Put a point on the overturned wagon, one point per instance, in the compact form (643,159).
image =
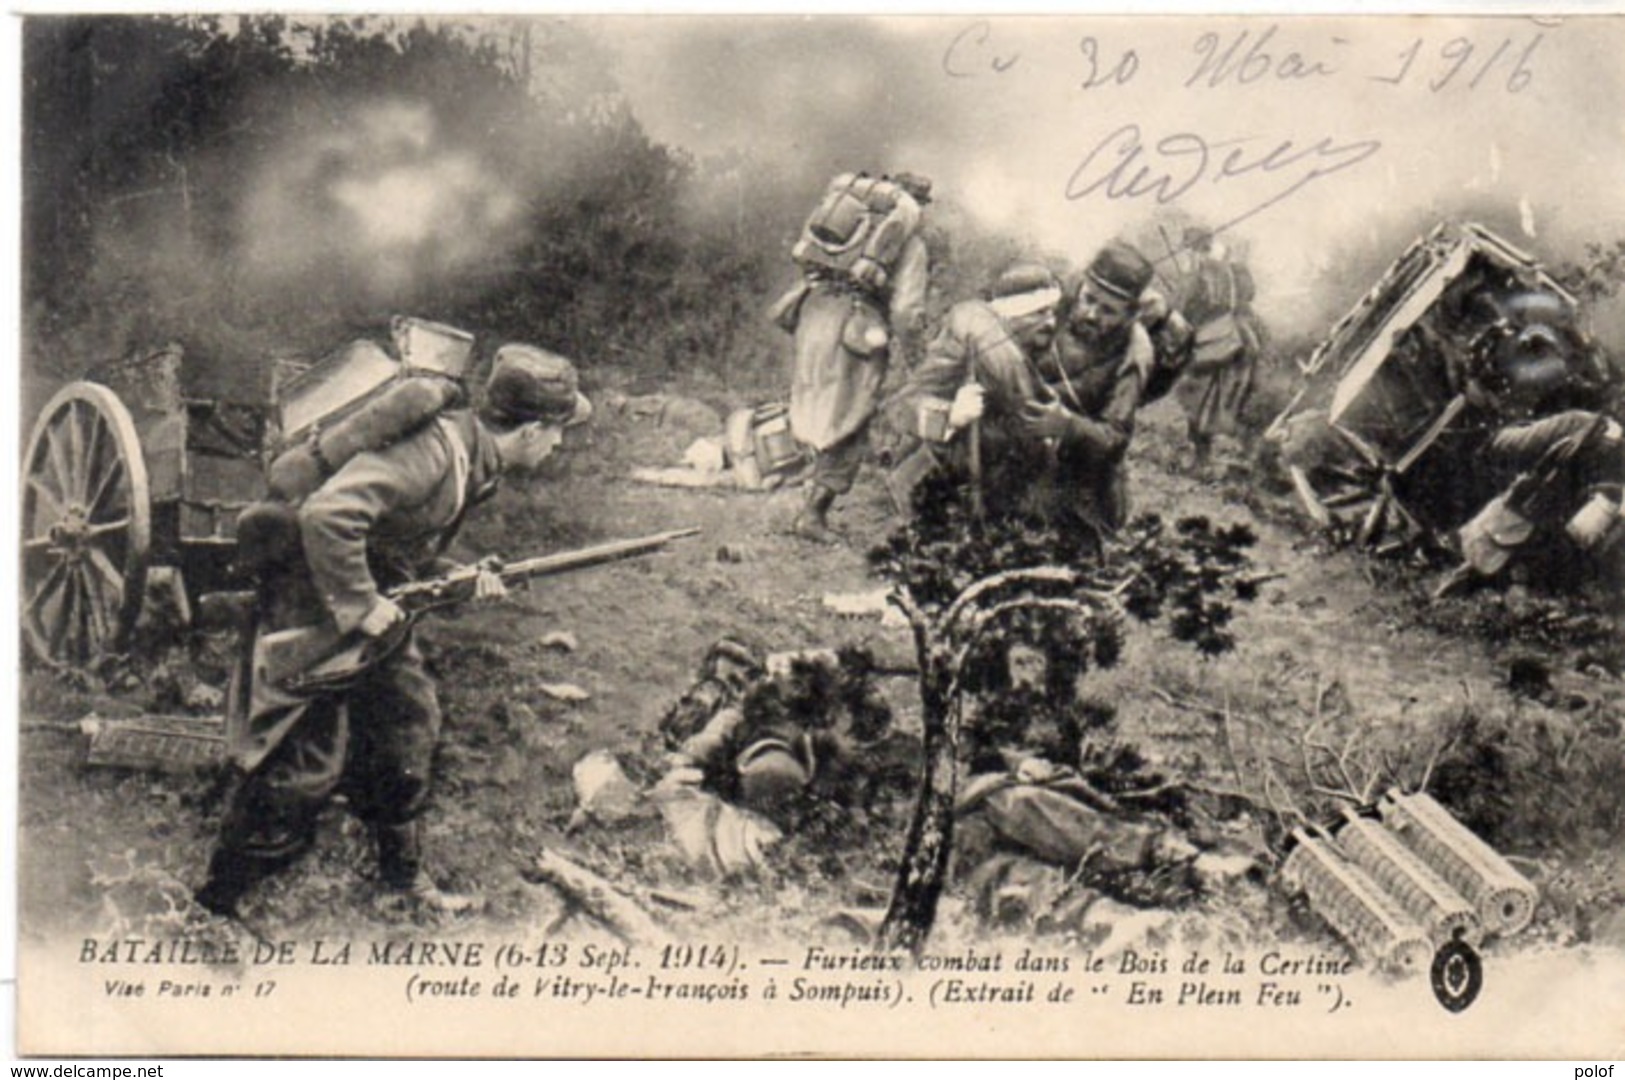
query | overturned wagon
(1463,333)
(134,477)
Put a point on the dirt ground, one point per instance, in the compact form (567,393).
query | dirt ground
(1337,650)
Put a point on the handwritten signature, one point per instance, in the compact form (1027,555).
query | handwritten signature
(1124,165)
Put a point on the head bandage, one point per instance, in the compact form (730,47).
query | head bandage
(1026,303)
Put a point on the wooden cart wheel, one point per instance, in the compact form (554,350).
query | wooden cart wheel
(1362,509)
(87,527)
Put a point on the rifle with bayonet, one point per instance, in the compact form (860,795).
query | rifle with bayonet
(318,658)
(416,597)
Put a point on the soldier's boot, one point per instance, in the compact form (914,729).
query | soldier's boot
(1201,449)
(231,875)
(400,864)
(812,523)
(215,919)
(1459,582)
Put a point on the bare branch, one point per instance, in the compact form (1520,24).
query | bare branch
(1341,794)
(1188,705)
(904,601)
(1386,768)
(1038,575)
(1292,810)
(1343,758)
(1073,605)
(1433,760)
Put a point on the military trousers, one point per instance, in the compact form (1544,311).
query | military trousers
(374,742)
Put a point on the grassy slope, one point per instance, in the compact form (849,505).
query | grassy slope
(112,852)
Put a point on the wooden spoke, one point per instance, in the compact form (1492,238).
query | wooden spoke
(108,572)
(1371,527)
(96,469)
(49,586)
(1346,498)
(1350,474)
(39,480)
(47,503)
(61,468)
(107,483)
(106,528)
(68,612)
(100,609)
(78,466)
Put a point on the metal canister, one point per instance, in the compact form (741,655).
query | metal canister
(932,419)
(1594,522)
(1504,899)
(431,345)
(1431,901)
(775,445)
(1359,910)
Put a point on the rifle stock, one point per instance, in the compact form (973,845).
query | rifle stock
(908,474)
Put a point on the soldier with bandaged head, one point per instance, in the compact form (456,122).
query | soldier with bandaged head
(977,399)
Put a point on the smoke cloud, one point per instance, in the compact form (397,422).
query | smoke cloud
(379,204)
(1059,133)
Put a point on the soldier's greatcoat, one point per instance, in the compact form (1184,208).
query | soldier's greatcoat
(384,518)
(840,364)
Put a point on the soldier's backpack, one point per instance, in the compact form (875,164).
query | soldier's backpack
(759,446)
(356,400)
(1173,344)
(362,399)
(858,230)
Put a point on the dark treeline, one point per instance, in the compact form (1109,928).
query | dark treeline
(264,184)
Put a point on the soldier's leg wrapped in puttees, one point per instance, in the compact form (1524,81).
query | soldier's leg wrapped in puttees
(395,722)
(271,819)
(835,469)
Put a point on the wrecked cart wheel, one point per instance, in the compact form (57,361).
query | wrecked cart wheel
(87,527)
(1360,507)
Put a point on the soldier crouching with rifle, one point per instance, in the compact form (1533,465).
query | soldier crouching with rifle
(382,519)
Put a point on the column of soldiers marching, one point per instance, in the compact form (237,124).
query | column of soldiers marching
(1025,394)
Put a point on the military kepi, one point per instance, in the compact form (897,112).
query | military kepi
(528,383)
(1121,270)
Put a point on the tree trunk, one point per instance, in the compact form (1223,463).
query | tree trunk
(920,880)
